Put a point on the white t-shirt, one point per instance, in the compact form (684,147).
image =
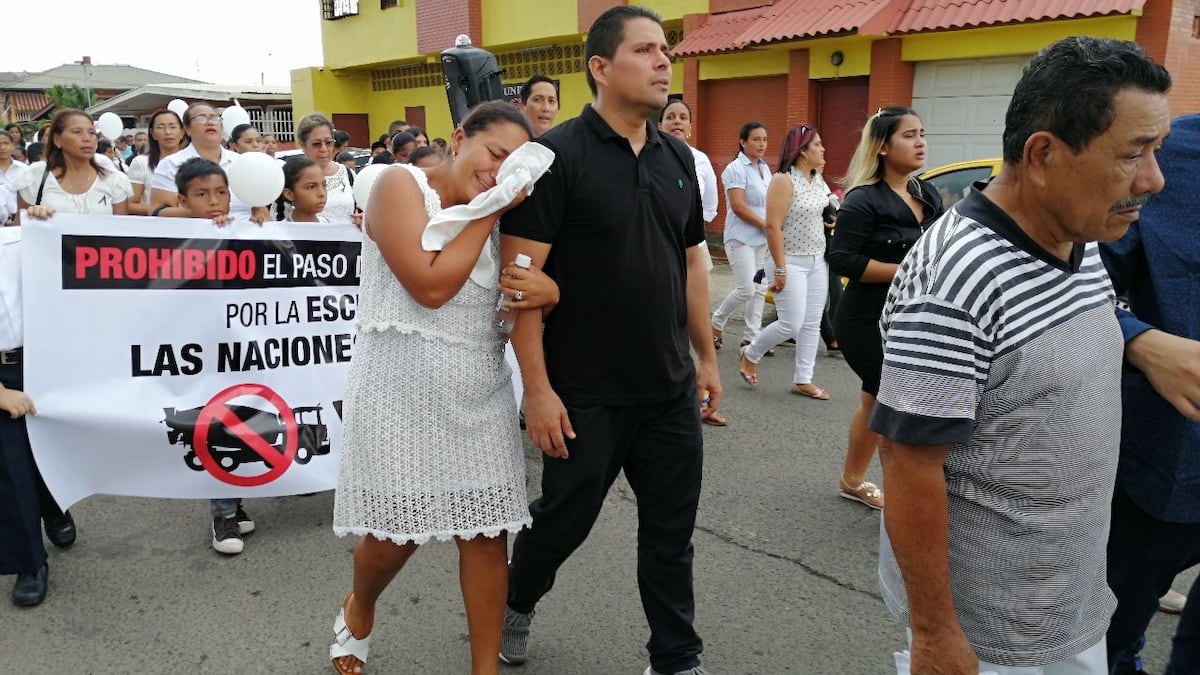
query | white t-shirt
(7,175)
(164,177)
(10,288)
(110,187)
(707,178)
(139,173)
(8,203)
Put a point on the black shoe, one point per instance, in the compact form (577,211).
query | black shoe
(245,523)
(60,529)
(30,588)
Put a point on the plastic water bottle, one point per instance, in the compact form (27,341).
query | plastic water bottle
(505,316)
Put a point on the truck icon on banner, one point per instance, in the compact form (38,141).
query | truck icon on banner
(231,450)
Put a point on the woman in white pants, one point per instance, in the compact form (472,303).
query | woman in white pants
(796,198)
(745,180)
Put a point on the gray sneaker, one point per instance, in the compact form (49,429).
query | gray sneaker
(690,671)
(514,640)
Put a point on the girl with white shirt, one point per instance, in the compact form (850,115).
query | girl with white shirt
(203,127)
(166,138)
(796,198)
(71,180)
(9,168)
(245,138)
(676,119)
(315,133)
(8,196)
(745,180)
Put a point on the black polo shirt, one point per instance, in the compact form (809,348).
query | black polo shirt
(620,225)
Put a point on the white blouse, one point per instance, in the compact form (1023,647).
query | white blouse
(110,187)
(339,197)
(803,228)
(168,167)
(139,173)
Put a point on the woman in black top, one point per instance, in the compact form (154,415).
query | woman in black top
(884,213)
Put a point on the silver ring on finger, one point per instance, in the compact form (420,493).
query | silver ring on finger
(518,297)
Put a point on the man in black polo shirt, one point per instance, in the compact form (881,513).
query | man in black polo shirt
(610,385)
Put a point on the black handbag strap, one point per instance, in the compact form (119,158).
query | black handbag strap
(42,186)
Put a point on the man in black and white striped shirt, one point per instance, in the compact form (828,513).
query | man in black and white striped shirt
(1000,398)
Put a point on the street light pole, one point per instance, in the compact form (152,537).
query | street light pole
(87,86)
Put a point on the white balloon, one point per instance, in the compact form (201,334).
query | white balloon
(110,125)
(256,178)
(363,180)
(232,117)
(178,106)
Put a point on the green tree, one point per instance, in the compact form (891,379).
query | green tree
(71,96)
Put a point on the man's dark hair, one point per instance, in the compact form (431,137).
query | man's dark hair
(607,33)
(344,157)
(1068,89)
(33,152)
(378,144)
(423,152)
(341,138)
(384,157)
(488,113)
(402,139)
(527,88)
(197,167)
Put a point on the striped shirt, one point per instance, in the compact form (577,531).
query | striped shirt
(1013,358)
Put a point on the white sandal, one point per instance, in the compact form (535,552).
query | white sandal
(345,644)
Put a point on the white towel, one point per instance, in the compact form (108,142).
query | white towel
(519,171)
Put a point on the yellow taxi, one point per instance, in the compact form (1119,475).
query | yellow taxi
(952,181)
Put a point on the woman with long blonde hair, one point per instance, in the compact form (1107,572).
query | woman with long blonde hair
(884,213)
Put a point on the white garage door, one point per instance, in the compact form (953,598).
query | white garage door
(962,104)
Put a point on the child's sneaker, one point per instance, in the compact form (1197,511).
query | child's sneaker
(226,537)
(245,524)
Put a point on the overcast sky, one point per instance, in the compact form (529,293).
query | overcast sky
(219,41)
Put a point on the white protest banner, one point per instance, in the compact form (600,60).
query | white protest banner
(170,358)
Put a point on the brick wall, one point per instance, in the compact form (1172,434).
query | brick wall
(891,77)
(440,21)
(801,92)
(590,10)
(1165,32)
(727,105)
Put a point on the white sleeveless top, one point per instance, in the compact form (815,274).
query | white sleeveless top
(803,229)
(465,319)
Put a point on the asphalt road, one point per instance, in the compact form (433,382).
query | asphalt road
(785,572)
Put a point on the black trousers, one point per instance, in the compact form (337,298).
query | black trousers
(660,448)
(1144,555)
(828,334)
(22,491)
(1185,650)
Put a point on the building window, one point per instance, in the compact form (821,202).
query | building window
(412,76)
(276,120)
(338,9)
(387,4)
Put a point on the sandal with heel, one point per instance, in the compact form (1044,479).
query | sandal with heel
(750,378)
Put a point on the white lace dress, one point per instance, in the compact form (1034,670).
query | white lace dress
(432,446)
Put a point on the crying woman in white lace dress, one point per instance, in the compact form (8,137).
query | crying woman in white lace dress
(432,447)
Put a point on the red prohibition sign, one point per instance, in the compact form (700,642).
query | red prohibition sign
(217,410)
